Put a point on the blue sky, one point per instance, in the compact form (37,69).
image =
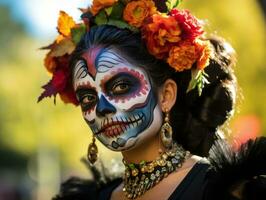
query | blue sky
(40,16)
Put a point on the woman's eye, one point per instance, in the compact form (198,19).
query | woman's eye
(88,99)
(120,88)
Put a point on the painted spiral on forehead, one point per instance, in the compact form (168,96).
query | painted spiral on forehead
(142,90)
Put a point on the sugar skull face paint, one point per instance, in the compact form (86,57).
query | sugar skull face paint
(116,99)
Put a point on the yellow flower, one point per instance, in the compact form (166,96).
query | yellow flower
(136,12)
(97,5)
(65,23)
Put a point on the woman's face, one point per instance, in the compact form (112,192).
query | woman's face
(116,99)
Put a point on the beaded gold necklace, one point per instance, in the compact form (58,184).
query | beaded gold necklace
(141,177)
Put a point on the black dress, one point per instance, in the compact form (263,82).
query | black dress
(225,175)
(191,187)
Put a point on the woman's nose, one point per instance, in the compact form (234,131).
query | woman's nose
(104,107)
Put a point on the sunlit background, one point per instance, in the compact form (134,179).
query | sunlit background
(41,144)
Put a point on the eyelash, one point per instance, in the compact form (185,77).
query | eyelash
(91,101)
(119,83)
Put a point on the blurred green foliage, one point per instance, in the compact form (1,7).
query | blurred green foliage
(29,130)
(242,24)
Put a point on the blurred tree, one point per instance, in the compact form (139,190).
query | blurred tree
(11,32)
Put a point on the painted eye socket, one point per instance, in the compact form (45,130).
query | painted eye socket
(88,99)
(121,87)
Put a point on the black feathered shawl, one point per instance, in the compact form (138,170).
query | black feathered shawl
(237,174)
(81,189)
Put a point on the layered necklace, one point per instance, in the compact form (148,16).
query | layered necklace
(141,177)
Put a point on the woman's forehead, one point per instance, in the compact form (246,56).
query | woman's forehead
(98,63)
(99,59)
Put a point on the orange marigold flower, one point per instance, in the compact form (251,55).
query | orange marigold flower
(183,56)
(204,52)
(136,11)
(97,5)
(161,32)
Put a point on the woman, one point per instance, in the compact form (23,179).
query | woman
(150,86)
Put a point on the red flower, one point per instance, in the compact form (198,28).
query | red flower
(189,24)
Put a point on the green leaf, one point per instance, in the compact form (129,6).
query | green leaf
(193,80)
(122,25)
(172,4)
(117,11)
(109,10)
(77,33)
(101,18)
(198,80)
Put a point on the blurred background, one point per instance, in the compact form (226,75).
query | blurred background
(42,144)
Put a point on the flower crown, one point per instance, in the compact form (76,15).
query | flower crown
(172,35)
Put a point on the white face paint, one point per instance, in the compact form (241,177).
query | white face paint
(116,99)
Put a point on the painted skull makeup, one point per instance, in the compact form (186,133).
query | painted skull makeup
(116,99)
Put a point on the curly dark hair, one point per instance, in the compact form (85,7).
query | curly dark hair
(195,119)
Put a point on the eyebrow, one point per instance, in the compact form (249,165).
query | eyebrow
(81,71)
(84,89)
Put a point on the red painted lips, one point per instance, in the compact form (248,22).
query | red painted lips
(116,128)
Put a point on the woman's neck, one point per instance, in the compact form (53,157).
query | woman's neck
(147,151)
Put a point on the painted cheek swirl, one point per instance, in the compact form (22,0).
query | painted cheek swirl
(142,90)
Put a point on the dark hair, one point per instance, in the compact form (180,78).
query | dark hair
(195,119)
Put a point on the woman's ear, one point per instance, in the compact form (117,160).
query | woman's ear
(167,95)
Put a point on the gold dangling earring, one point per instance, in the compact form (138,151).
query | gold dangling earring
(92,151)
(166,132)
